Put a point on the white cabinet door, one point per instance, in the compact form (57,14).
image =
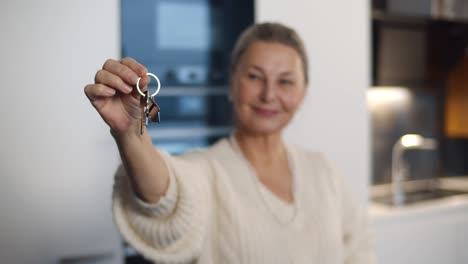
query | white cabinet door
(461,234)
(421,241)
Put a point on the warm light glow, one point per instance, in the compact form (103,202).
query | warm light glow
(411,140)
(387,95)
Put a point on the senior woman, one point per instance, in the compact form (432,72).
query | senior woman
(250,198)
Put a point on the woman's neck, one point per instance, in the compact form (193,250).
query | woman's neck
(261,150)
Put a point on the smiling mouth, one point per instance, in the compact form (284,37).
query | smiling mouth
(265,112)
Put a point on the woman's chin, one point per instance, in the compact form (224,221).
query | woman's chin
(264,128)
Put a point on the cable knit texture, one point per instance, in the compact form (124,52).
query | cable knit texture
(214,211)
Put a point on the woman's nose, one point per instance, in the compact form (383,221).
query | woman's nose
(268,92)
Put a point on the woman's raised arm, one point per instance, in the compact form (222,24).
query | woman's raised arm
(116,99)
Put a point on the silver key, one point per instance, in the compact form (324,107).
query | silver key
(151,111)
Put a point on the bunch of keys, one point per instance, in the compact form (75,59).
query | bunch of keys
(151,108)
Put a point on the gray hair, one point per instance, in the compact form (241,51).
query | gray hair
(269,32)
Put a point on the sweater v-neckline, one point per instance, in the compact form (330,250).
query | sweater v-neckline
(269,199)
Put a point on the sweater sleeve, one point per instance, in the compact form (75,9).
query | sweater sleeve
(358,240)
(173,229)
(357,237)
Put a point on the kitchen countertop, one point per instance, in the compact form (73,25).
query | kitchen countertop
(380,212)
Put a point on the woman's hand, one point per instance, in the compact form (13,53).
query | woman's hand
(114,95)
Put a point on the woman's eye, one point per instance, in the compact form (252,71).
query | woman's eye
(286,82)
(253,76)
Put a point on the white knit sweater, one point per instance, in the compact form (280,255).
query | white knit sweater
(217,211)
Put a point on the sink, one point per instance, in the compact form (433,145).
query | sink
(419,196)
(415,192)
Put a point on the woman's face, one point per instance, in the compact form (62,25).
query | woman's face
(268,85)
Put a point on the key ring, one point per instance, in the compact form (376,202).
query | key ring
(157,80)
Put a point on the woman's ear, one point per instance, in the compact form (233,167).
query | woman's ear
(232,86)
(231,93)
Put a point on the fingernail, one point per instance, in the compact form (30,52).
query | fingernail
(128,88)
(109,92)
(135,80)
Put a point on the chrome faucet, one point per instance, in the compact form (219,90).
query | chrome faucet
(399,169)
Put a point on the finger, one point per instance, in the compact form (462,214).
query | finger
(137,67)
(145,80)
(121,70)
(96,91)
(112,80)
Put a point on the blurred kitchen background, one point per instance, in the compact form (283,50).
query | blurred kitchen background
(419,58)
(418,110)
(386,102)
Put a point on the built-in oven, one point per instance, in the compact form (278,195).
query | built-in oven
(187,44)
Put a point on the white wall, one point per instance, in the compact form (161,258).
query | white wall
(57,157)
(334,117)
